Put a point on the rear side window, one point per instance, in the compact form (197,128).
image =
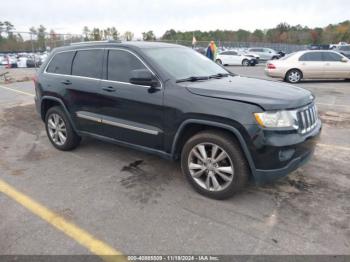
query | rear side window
(312,57)
(61,63)
(88,63)
(120,65)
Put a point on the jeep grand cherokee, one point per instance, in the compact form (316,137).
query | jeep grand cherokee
(172,101)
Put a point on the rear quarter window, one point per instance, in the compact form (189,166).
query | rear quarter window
(61,63)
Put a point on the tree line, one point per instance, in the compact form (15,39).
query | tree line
(282,33)
(40,38)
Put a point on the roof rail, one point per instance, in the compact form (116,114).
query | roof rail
(96,42)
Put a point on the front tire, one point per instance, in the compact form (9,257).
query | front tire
(245,62)
(59,130)
(293,76)
(214,164)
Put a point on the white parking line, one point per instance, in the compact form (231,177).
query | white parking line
(17,91)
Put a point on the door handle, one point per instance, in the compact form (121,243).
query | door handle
(109,89)
(66,82)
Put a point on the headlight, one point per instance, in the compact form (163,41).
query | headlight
(277,119)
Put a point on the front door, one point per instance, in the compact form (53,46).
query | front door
(334,66)
(131,113)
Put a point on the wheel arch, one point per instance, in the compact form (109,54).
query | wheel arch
(192,126)
(294,68)
(49,101)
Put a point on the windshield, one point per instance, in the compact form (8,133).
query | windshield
(183,63)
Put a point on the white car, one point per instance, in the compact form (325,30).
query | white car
(234,58)
(310,64)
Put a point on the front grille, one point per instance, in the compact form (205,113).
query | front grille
(307,118)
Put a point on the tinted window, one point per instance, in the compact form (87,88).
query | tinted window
(233,53)
(311,56)
(61,63)
(332,57)
(88,63)
(120,65)
(225,53)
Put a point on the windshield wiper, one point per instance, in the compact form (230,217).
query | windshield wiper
(192,79)
(219,75)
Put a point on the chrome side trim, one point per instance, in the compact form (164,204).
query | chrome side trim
(116,124)
(135,128)
(87,117)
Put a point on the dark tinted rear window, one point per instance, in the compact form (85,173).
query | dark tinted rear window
(120,65)
(61,63)
(311,56)
(88,63)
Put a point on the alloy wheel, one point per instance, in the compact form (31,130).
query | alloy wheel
(57,129)
(294,76)
(210,167)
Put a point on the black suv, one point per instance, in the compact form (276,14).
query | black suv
(174,102)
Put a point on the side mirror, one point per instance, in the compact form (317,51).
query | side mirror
(344,60)
(143,77)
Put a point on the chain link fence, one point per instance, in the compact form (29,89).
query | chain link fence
(30,49)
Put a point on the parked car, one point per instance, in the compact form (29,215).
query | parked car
(246,53)
(310,65)
(234,58)
(343,49)
(174,102)
(264,53)
(319,47)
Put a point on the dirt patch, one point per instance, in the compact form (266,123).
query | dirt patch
(338,119)
(24,118)
(143,186)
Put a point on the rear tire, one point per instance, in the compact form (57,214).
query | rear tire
(293,76)
(59,130)
(210,176)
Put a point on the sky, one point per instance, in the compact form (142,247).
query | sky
(70,16)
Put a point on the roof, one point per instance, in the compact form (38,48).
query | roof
(112,43)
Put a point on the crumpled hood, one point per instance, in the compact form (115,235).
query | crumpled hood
(269,95)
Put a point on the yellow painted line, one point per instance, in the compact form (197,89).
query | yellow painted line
(334,147)
(97,247)
(17,91)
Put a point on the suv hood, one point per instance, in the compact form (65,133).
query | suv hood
(269,95)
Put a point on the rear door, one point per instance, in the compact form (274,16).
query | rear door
(312,65)
(83,89)
(334,66)
(235,58)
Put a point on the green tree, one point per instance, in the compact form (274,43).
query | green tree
(128,36)
(148,36)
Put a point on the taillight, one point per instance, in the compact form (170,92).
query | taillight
(271,66)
